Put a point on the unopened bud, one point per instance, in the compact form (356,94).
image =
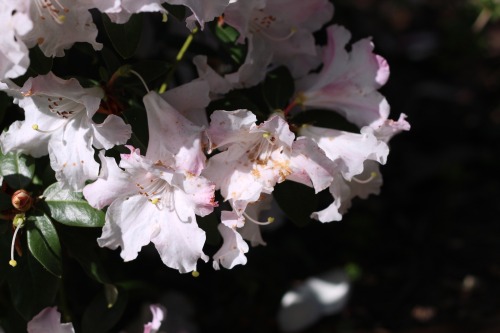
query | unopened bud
(22,200)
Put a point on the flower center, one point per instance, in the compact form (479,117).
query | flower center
(64,108)
(262,149)
(158,192)
(54,9)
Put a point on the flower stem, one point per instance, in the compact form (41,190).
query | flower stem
(178,59)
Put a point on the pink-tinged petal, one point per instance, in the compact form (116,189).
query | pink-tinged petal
(112,183)
(203,11)
(131,223)
(238,14)
(49,321)
(253,70)
(310,166)
(370,71)
(360,109)
(180,241)
(113,131)
(230,126)
(233,249)
(388,128)
(218,85)
(57,31)
(349,150)
(158,313)
(199,192)
(348,82)
(310,15)
(171,133)
(190,100)
(235,180)
(279,128)
(335,61)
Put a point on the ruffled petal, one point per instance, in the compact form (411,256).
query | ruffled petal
(233,250)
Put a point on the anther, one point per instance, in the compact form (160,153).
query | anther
(269,219)
(195,274)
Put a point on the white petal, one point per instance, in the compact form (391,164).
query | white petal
(233,249)
(131,223)
(180,242)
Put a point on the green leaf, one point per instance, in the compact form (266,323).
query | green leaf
(68,207)
(43,243)
(226,33)
(296,200)
(124,37)
(82,246)
(17,169)
(32,287)
(278,88)
(99,316)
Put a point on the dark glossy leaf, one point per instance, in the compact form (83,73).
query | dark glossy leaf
(124,37)
(226,33)
(100,316)
(32,287)
(70,208)
(82,246)
(278,88)
(17,169)
(43,243)
(296,200)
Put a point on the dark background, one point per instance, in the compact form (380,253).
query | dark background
(428,246)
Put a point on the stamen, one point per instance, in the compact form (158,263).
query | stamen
(269,219)
(373,175)
(140,78)
(37,128)
(195,274)
(19,223)
(53,10)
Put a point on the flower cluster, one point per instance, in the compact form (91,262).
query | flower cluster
(158,194)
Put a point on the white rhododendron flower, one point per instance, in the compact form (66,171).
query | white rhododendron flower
(254,157)
(155,197)
(150,202)
(347,82)
(14,24)
(58,24)
(349,152)
(274,36)
(58,121)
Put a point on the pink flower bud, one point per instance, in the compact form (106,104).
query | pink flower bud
(21,200)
